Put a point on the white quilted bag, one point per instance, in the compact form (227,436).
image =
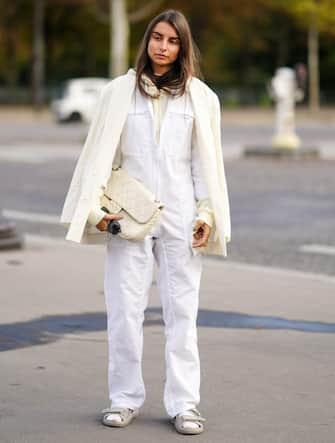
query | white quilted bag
(130,198)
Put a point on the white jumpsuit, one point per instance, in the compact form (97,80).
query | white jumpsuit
(169,167)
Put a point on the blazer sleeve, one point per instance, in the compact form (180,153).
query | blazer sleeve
(86,154)
(216,128)
(204,208)
(96,214)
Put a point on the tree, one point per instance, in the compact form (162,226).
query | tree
(38,63)
(315,16)
(119,20)
(38,56)
(10,39)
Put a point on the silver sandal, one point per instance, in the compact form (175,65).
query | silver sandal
(193,416)
(126,416)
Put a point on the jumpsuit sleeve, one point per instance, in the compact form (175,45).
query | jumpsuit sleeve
(96,214)
(204,208)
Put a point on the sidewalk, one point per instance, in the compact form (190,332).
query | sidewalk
(266,341)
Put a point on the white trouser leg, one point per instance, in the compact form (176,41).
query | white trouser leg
(179,282)
(128,276)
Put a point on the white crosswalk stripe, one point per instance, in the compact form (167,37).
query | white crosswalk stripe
(318,249)
(38,154)
(31,216)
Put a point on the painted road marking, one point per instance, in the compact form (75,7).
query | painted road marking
(31,216)
(40,240)
(318,249)
(38,154)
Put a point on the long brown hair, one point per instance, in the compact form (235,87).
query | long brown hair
(187,63)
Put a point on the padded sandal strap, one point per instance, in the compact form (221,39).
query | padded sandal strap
(192,418)
(195,416)
(123,412)
(189,422)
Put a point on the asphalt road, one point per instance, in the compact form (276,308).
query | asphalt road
(266,340)
(283,212)
(265,334)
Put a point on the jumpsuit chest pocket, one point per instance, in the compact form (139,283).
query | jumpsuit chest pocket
(135,138)
(179,141)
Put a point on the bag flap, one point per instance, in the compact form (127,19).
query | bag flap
(111,205)
(131,195)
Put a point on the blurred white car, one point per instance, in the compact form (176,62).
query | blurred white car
(77,99)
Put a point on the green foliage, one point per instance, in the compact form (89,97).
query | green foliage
(241,41)
(265,100)
(320,13)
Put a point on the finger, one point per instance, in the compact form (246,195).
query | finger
(112,217)
(199,244)
(197,229)
(198,225)
(104,227)
(197,235)
(207,232)
(203,232)
(202,240)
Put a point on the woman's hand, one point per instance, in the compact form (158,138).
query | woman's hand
(201,233)
(103,224)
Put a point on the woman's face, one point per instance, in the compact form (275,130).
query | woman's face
(163,47)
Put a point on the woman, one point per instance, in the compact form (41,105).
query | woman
(162,125)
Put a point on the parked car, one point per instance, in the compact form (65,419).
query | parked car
(77,99)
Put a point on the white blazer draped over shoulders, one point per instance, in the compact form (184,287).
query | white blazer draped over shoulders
(94,165)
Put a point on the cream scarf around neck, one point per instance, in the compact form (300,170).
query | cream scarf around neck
(152,90)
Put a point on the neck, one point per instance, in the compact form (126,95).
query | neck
(160,70)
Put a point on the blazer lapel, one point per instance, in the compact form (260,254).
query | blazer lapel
(95,166)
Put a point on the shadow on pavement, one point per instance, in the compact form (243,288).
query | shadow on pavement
(50,328)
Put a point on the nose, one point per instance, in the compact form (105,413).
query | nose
(163,45)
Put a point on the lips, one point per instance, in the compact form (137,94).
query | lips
(161,56)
